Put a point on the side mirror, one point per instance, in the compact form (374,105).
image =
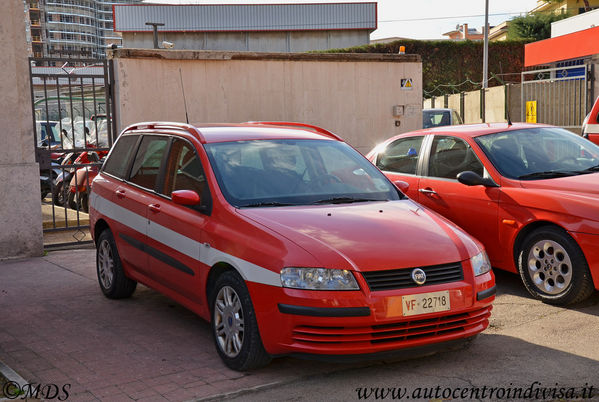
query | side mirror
(402,186)
(185,197)
(470,178)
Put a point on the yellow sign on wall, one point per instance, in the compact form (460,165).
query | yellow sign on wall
(531,111)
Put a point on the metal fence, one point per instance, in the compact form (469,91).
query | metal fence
(73,129)
(559,96)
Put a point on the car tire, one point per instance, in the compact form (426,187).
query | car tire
(111,276)
(234,325)
(72,200)
(553,267)
(59,196)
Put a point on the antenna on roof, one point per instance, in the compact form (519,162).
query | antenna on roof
(184,101)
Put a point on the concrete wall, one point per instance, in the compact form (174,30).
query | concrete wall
(20,214)
(350,94)
(291,41)
(495,104)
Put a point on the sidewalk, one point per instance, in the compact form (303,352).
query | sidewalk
(58,328)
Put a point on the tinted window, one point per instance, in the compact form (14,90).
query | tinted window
(450,156)
(185,172)
(400,156)
(146,165)
(118,161)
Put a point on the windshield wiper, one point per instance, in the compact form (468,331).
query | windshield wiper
(547,175)
(266,204)
(343,200)
(591,169)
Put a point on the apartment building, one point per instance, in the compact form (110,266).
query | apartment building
(78,28)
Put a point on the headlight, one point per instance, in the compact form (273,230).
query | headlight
(318,279)
(480,263)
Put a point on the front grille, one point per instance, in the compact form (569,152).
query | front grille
(397,332)
(402,278)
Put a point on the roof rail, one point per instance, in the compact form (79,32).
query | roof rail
(317,129)
(169,125)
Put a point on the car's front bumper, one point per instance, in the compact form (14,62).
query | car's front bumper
(365,322)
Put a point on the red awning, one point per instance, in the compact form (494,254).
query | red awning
(565,47)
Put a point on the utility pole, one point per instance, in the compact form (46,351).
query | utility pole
(486,48)
(155,26)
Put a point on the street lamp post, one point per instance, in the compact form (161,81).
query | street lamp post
(486,48)
(155,26)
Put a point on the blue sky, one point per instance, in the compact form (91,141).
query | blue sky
(429,18)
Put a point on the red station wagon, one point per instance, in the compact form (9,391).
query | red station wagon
(528,192)
(286,239)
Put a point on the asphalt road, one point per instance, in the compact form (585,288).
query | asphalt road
(529,348)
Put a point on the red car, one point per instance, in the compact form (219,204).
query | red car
(528,192)
(286,239)
(590,125)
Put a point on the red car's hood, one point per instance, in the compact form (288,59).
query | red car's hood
(369,236)
(585,184)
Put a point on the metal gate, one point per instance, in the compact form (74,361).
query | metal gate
(558,96)
(73,129)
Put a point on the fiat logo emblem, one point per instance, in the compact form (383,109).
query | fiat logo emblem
(418,276)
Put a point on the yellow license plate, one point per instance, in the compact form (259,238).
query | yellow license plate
(425,303)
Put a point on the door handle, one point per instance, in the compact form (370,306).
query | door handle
(427,191)
(154,208)
(120,193)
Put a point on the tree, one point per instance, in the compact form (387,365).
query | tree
(533,27)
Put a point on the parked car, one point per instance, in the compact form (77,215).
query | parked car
(440,117)
(590,125)
(286,239)
(528,192)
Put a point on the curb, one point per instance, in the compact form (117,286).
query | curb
(11,375)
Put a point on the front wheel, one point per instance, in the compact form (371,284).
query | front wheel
(112,279)
(234,325)
(553,267)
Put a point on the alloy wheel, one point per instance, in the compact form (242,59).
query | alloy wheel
(228,321)
(549,267)
(105,264)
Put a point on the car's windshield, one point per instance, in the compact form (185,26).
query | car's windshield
(540,153)
(296,172)
(436,118)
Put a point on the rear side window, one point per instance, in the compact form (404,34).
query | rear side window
(146,165)
(401,156)
(117,164)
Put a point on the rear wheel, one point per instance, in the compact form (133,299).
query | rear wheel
(59,196)
(553,267)
(234,325)
(112,279)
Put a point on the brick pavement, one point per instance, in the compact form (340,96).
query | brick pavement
(58,328)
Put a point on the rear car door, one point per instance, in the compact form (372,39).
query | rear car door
(473,208)
(136,195)
(127,220)
(399,161)
(175,232)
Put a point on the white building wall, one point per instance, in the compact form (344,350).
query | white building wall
(577,23)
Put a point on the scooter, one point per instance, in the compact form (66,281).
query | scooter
(60,193)
(80,184)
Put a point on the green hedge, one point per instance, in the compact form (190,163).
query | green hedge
(446,62)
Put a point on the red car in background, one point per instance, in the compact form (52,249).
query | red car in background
(590,125)
(286,239)
(529,193)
